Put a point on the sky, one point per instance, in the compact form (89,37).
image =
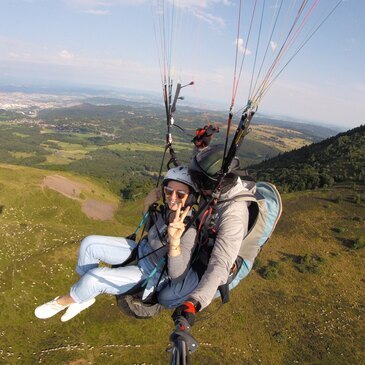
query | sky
(119,44)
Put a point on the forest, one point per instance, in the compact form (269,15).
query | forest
(339,159)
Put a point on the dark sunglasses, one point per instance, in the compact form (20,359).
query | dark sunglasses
(181,194)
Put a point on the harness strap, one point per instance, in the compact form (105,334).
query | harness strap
(154,271)
(224,293)
(224,289)
(133,236)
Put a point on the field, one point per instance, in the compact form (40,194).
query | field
(283,139)
(302,304)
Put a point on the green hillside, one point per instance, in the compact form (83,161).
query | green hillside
(121,146)
(303,303)
(9,115)
(335,160)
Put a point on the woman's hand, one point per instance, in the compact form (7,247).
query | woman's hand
(152,197)
(175,230)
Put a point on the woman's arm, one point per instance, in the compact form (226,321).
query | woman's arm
(178,265)
(175,230)
(179,248)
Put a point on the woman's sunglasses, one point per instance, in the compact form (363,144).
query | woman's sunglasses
(181,194)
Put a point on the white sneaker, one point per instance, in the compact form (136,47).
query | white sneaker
(75,308)
(49,309)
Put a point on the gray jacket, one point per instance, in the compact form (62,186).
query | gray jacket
(176,266)
(232,226)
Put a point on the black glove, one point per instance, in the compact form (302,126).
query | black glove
(187,310)
(204,135)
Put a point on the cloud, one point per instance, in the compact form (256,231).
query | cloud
(359,88)
(12,48)
(66,55)
(241,47)
(13,55)
(199,9)
(208,18)
(101,7)
(202,4)
(273,45)
(316,101)
(10,42)
(97,12)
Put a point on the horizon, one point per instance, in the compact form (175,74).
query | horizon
(90,43)
(83,91)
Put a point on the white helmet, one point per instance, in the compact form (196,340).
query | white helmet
(182,175)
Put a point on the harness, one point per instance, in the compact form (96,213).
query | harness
(138,291)
(148,220)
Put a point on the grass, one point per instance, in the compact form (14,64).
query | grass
(271,271)
(281,138)
(308,263)
(296,318)
(22,154)
(358,243)
(65,153)
(21,135)
(135,147)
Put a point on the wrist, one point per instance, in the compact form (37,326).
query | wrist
(174,243)
(174,250)
(193,302)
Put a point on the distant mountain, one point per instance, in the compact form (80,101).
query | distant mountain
(337,159)
(9,115)
(187,117)
(315,131)
(85,111)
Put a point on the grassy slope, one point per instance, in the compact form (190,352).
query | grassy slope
(297,318)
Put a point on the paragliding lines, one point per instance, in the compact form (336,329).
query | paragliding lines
(257,48)
(235,81)
(245,48)
(302,13)
(166,21)
(290,42)
(305,41)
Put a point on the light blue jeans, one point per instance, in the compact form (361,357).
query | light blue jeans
(97,280)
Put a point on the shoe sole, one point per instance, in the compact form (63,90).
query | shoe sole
(67,319)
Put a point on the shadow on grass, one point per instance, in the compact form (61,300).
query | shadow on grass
(329,200)
(308,263)
(346,242)
(271,271)
(338,229)
(355,244)
(289,257)
(338,199)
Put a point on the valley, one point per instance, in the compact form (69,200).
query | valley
(68,171)
(303,303)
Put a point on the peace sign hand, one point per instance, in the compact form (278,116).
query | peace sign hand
(177,227)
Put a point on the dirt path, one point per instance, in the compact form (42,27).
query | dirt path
(61,184)
(98,210)
(95,209)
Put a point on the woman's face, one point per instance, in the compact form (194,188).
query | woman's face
(175,193)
